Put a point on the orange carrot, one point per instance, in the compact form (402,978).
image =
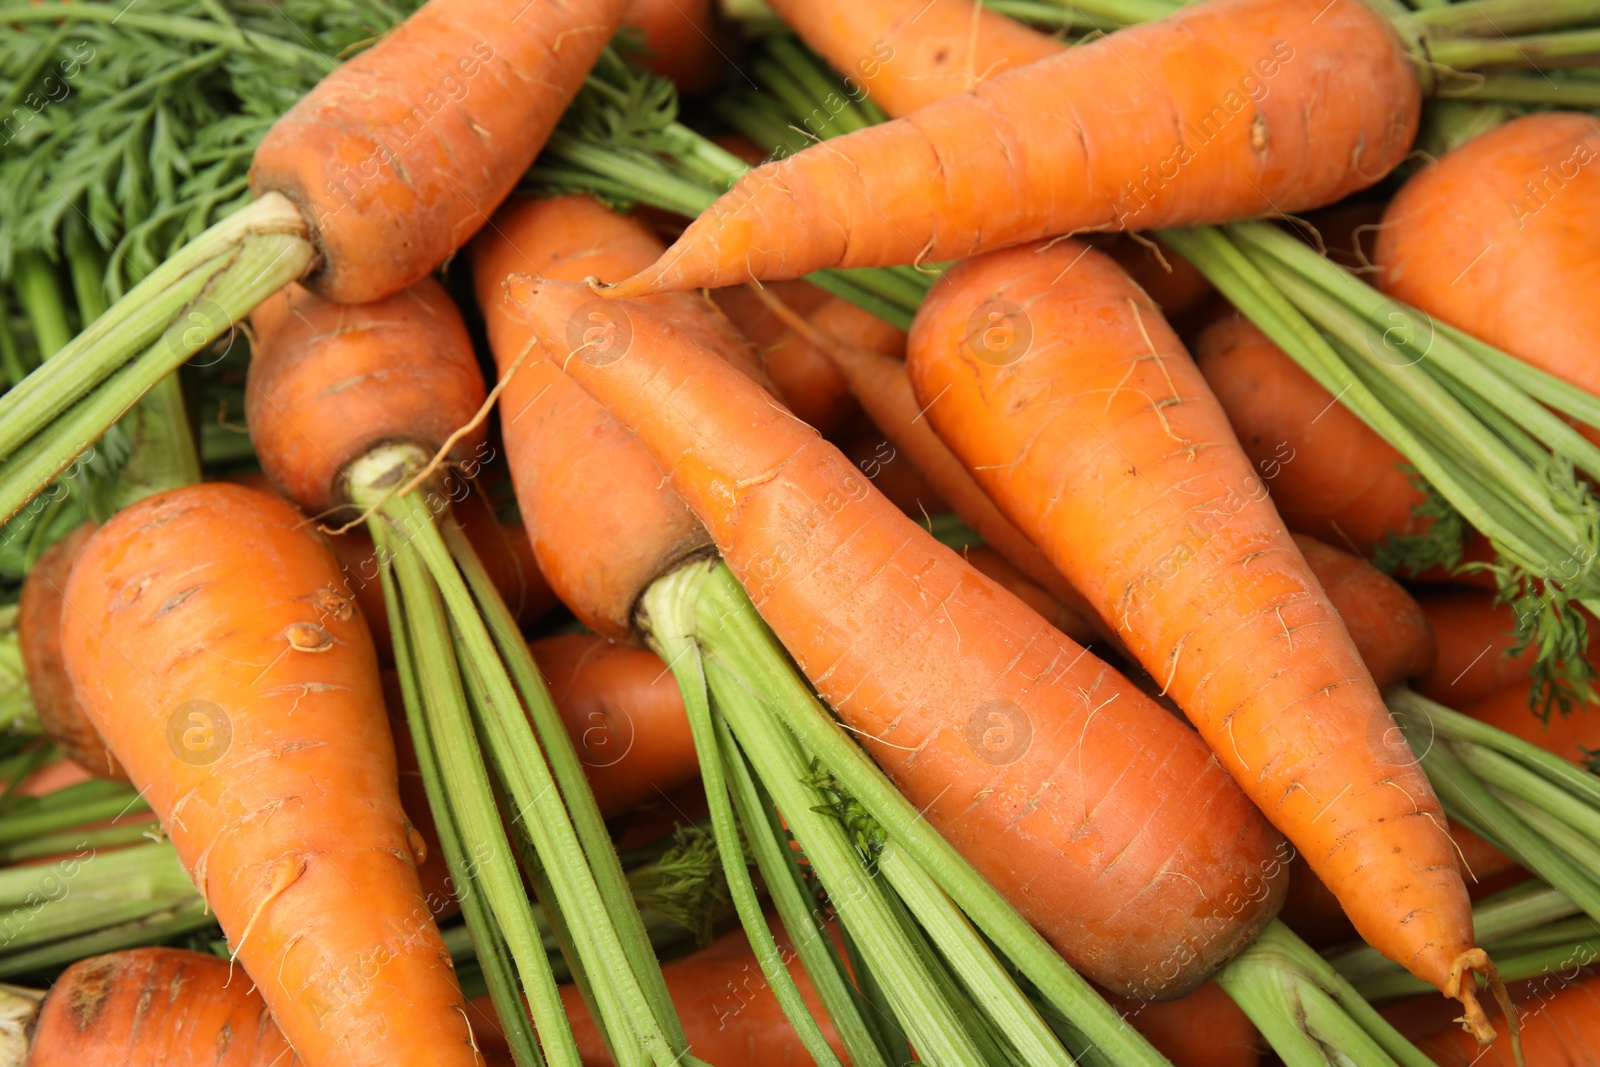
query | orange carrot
(1263,106)
(574,468)
(991,564)
(894,475)
(210,646)
(1498,238)
(1560,1028)
(505,551)
(1170,280)
(1474,633)
(399,156)
(1098,815)
(681,39)
(625,715)
(1204,1029)
(908,53)
(39,640)
(1391,634)
(1574,736)
(1062,388)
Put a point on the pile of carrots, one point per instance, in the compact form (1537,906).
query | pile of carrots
(971,627)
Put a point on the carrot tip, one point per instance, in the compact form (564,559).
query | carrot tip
(1464,989)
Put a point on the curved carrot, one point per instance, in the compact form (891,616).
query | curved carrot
(1330,474)
(908,53)
(1062,388)
(1261,106)
(1474,633)
(208,642)
(1096,813)
(418,380)
(39,640)
(681,39)
(575,469)
(398,157)
(1390,631)
(1498,238)
(625,715)
(1560,1028)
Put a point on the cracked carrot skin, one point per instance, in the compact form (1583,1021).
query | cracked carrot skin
(398,157)
(574,467)
(1060,386)
(1221,111)
(216,600)
(1100,816)
(908,53)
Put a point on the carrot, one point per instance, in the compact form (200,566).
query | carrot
(1560,1028)
(920,51)
(1390,631)
(1062,388)
(1204,1029)
(1331,475)
(625,715)
(894,475)
(574,469)
(211,649)
(681,39)
(1497,239)
(1474,633)
(1169,279)
(968,699)
(397,158)
(991,564)
(996,167)
(1574,736)
(39,640)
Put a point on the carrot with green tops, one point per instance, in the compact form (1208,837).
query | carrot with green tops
(1498,238)
(920,50)
(625,715)
(1262,106)
(206,637)
(39,640)
(1097,814)
(1060,386)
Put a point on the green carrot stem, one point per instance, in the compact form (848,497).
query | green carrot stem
(1513,967)
(155,928)
(38,287)
(1496,18)
(24,825)
(1534,52)
(748,642)
(1568,93)
(98,838)
(438,712)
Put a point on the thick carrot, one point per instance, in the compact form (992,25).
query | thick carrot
(1098,815)
(399,156)
(1263,106)
(1560,1028)
(1498,238)
(1330,474)
(574,469)
(1390,631)
(625,715)
(908,53)
(681,39)
(991,564)
(39,640)
(207,640)
(1474,634)
(1062,388)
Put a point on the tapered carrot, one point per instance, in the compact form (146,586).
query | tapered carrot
(1097,814)
(625,715)
(206,637)
(1474,633)
(908,53)
(1262,106)
(1498,238)
(1390,631)
(397,158)
(39,640)
(1560,1028)
(1064,391)
(584,460)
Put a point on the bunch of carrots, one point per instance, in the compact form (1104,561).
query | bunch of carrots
(947,531)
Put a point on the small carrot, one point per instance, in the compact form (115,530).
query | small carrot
(591,474)
(920,51)
(206,637)
(1097,814)
(1497,238)
(1474,633)
(625,715)
(1048,371)
(39,639)
(1391,633)
(399,156)
(1237,87)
